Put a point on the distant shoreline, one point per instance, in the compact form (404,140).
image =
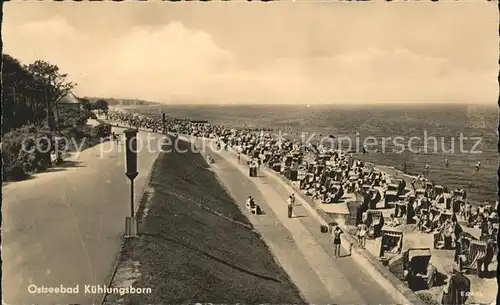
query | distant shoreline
(391,170)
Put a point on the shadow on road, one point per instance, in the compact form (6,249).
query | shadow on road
(67,163)
(63,166)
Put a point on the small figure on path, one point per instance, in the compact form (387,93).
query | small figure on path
(290,206)
(249,203)
(239,158)
(336,231)
(53,158)
(478,165)
(362,230)
(292,197)
(446,162)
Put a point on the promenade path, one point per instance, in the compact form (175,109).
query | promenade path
(304,252)
(65,226)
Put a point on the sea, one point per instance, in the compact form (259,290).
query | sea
(451,139)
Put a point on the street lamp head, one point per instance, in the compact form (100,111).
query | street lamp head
(131,152)
(131,132)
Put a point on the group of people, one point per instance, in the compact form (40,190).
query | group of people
(322,172)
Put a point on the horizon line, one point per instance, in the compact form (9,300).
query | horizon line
(310,103)
(344,104)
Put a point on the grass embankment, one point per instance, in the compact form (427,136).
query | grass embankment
(195,245)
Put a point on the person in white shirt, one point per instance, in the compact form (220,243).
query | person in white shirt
(249,203)
(362,230)
(53,158)
(481,209)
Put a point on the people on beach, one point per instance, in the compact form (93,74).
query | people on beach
(324,173)
(336,232)
(252,168)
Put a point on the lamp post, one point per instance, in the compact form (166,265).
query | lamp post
(131,172)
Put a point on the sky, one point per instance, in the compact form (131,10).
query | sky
(273,53)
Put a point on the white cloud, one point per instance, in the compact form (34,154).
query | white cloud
(175,62)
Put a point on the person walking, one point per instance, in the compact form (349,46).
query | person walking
(362,230)
(336,232)
(292,197)
(239,158)
(53,158)
(290,206)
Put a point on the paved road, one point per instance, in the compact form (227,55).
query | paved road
(304,252)
(65,227)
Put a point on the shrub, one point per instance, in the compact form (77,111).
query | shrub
(25,150)
(101,131)
(72,117)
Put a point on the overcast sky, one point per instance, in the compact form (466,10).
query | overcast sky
(239,52)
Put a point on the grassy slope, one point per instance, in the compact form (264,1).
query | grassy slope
(187,254)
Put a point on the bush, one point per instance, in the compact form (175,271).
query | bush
(18,161)
(101,131)
(72,117)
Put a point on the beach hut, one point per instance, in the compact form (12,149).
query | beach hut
(375,198)
(438,190)
(391,194)
(375,222)
(420,272)
(391,243)
(478,254)
(420,193)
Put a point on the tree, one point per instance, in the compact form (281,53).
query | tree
(85,104)
(101,105)
(21,101)
(52,85)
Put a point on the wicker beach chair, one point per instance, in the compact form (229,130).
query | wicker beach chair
(419,270)
(479,254)
(391,243)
